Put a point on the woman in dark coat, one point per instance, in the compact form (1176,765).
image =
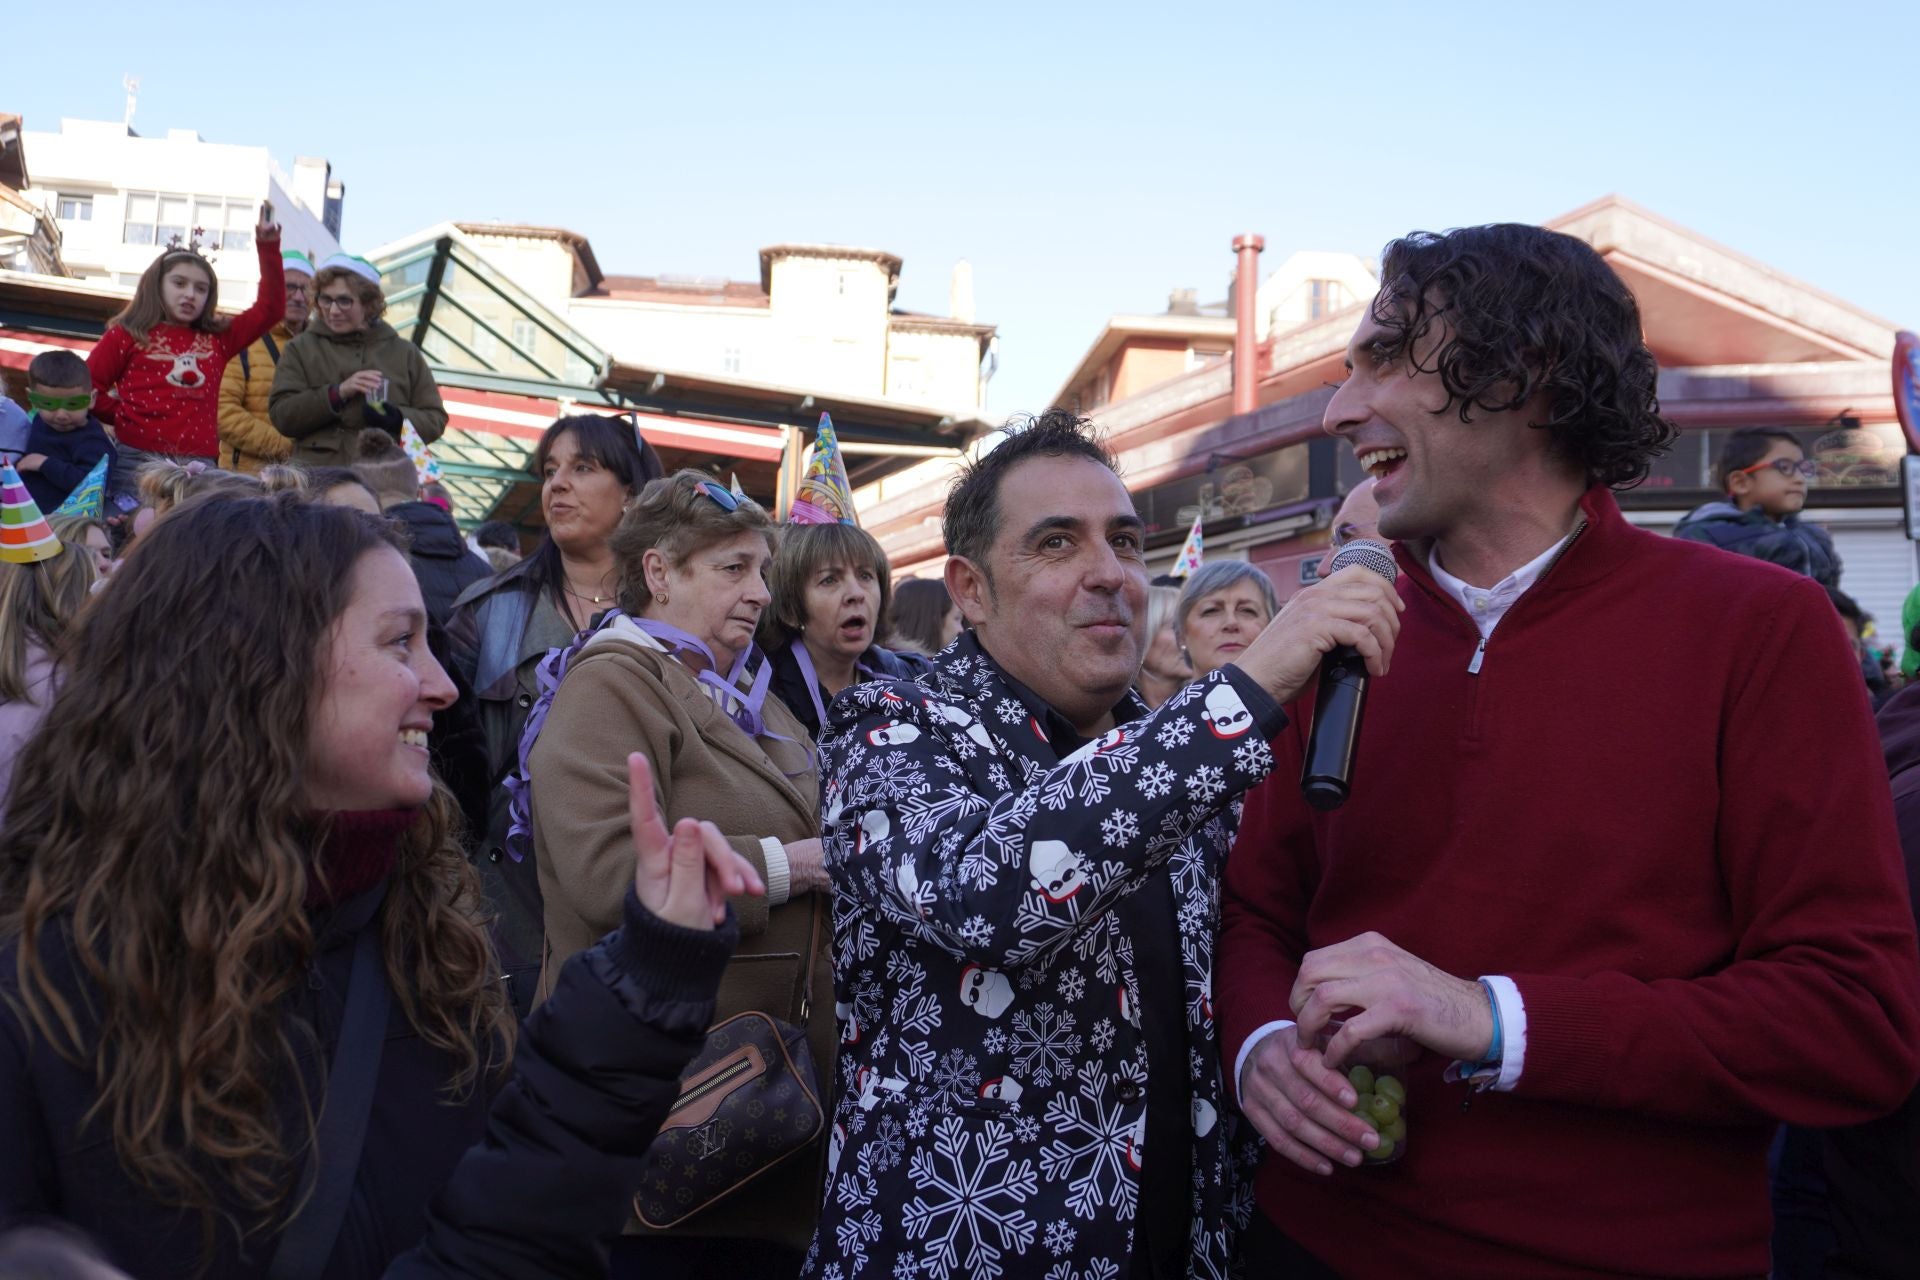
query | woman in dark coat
(177,968)
(590,469)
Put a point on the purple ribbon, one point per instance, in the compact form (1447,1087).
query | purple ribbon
(797,647)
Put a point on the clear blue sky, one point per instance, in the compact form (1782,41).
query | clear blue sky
(1085,158)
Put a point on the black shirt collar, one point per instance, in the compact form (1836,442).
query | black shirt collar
(1059,730)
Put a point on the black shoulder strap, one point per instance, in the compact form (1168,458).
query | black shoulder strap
(307,1242)
(246,366)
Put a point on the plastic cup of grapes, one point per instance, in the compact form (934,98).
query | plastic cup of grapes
(1377,1072)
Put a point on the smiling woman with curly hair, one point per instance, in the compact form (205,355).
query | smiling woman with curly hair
(199,837)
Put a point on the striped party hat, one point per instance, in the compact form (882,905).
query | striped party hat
(24,534)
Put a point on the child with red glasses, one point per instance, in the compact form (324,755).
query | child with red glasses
(1765,475)
(163,355)
(64,440)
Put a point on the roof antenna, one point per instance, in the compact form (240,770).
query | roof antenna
(131,84)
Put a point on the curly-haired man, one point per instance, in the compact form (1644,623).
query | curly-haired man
(1578,884)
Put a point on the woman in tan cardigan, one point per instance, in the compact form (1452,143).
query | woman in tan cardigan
(664,678)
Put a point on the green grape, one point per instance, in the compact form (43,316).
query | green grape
(1391,1087)
(1384,1151)
(1361,1078)
(1382,1108)
(1394,1130)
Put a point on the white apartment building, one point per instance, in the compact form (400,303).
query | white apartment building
(119,198)
(819,318)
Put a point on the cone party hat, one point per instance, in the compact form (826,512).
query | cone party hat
(1193,552)
(89,498)
(424,467)
(824,495)
(24,534)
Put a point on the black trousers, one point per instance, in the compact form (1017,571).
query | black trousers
(1270,1254)
(701,1258)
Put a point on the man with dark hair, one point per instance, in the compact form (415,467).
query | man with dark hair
(1578,884)
(1024,863)
(1764,475)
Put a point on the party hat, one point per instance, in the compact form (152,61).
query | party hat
(1192,553)
(824,495)
(89,498)
(423,464)
(733,485)
(24,535)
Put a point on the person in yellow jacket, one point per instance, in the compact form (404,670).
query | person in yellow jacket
(248,441)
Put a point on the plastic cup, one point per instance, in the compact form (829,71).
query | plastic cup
(1375,1064)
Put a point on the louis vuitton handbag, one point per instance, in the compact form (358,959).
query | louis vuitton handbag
(748,1100)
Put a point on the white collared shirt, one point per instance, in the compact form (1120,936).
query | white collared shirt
(1487,605)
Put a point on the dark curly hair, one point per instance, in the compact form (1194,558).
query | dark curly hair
(1528,311)
(973,504)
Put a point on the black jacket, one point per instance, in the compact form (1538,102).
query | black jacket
(1873,1170)
(1803,548)
(598,1065)
(595,1071)
(442,560)
(55,1164)
(790,685)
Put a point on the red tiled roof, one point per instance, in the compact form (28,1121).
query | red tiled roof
(697,292)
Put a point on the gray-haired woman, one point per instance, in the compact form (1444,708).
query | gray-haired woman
(1222,608)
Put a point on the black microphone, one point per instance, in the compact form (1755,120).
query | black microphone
(1327,773)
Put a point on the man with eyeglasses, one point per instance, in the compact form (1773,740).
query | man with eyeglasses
(248,441)
(1764,475)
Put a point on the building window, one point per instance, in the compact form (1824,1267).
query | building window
(76,208)
(524,332)
(484,344)
(730,360)
(1324,297)
(161,217)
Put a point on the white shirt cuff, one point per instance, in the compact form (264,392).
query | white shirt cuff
(1513,1030)
(779,872)
(1260,1033)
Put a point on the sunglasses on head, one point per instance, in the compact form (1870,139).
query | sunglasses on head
(1785,466)
(722,497)
(59,404)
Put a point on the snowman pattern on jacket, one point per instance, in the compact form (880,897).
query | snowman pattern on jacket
(992,1101)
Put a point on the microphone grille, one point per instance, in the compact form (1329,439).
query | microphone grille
(1368,555)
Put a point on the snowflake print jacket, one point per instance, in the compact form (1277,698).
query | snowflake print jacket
(992,1110)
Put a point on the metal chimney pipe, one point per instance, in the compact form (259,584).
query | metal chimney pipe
(1246,353)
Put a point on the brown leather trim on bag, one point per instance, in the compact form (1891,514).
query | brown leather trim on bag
(808,1088)
(701,1096)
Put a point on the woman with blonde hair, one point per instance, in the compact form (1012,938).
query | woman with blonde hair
(38,605)
(1164,670)
(674,673)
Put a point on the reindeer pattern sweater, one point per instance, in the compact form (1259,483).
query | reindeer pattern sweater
(168,388)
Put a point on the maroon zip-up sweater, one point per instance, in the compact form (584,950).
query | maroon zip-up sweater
(1660,808)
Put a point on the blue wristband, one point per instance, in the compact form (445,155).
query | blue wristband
(1495,1051)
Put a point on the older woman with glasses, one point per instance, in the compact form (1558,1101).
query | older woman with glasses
(350,370)
(673,673)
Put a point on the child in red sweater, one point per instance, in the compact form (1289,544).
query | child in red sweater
(162,356)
